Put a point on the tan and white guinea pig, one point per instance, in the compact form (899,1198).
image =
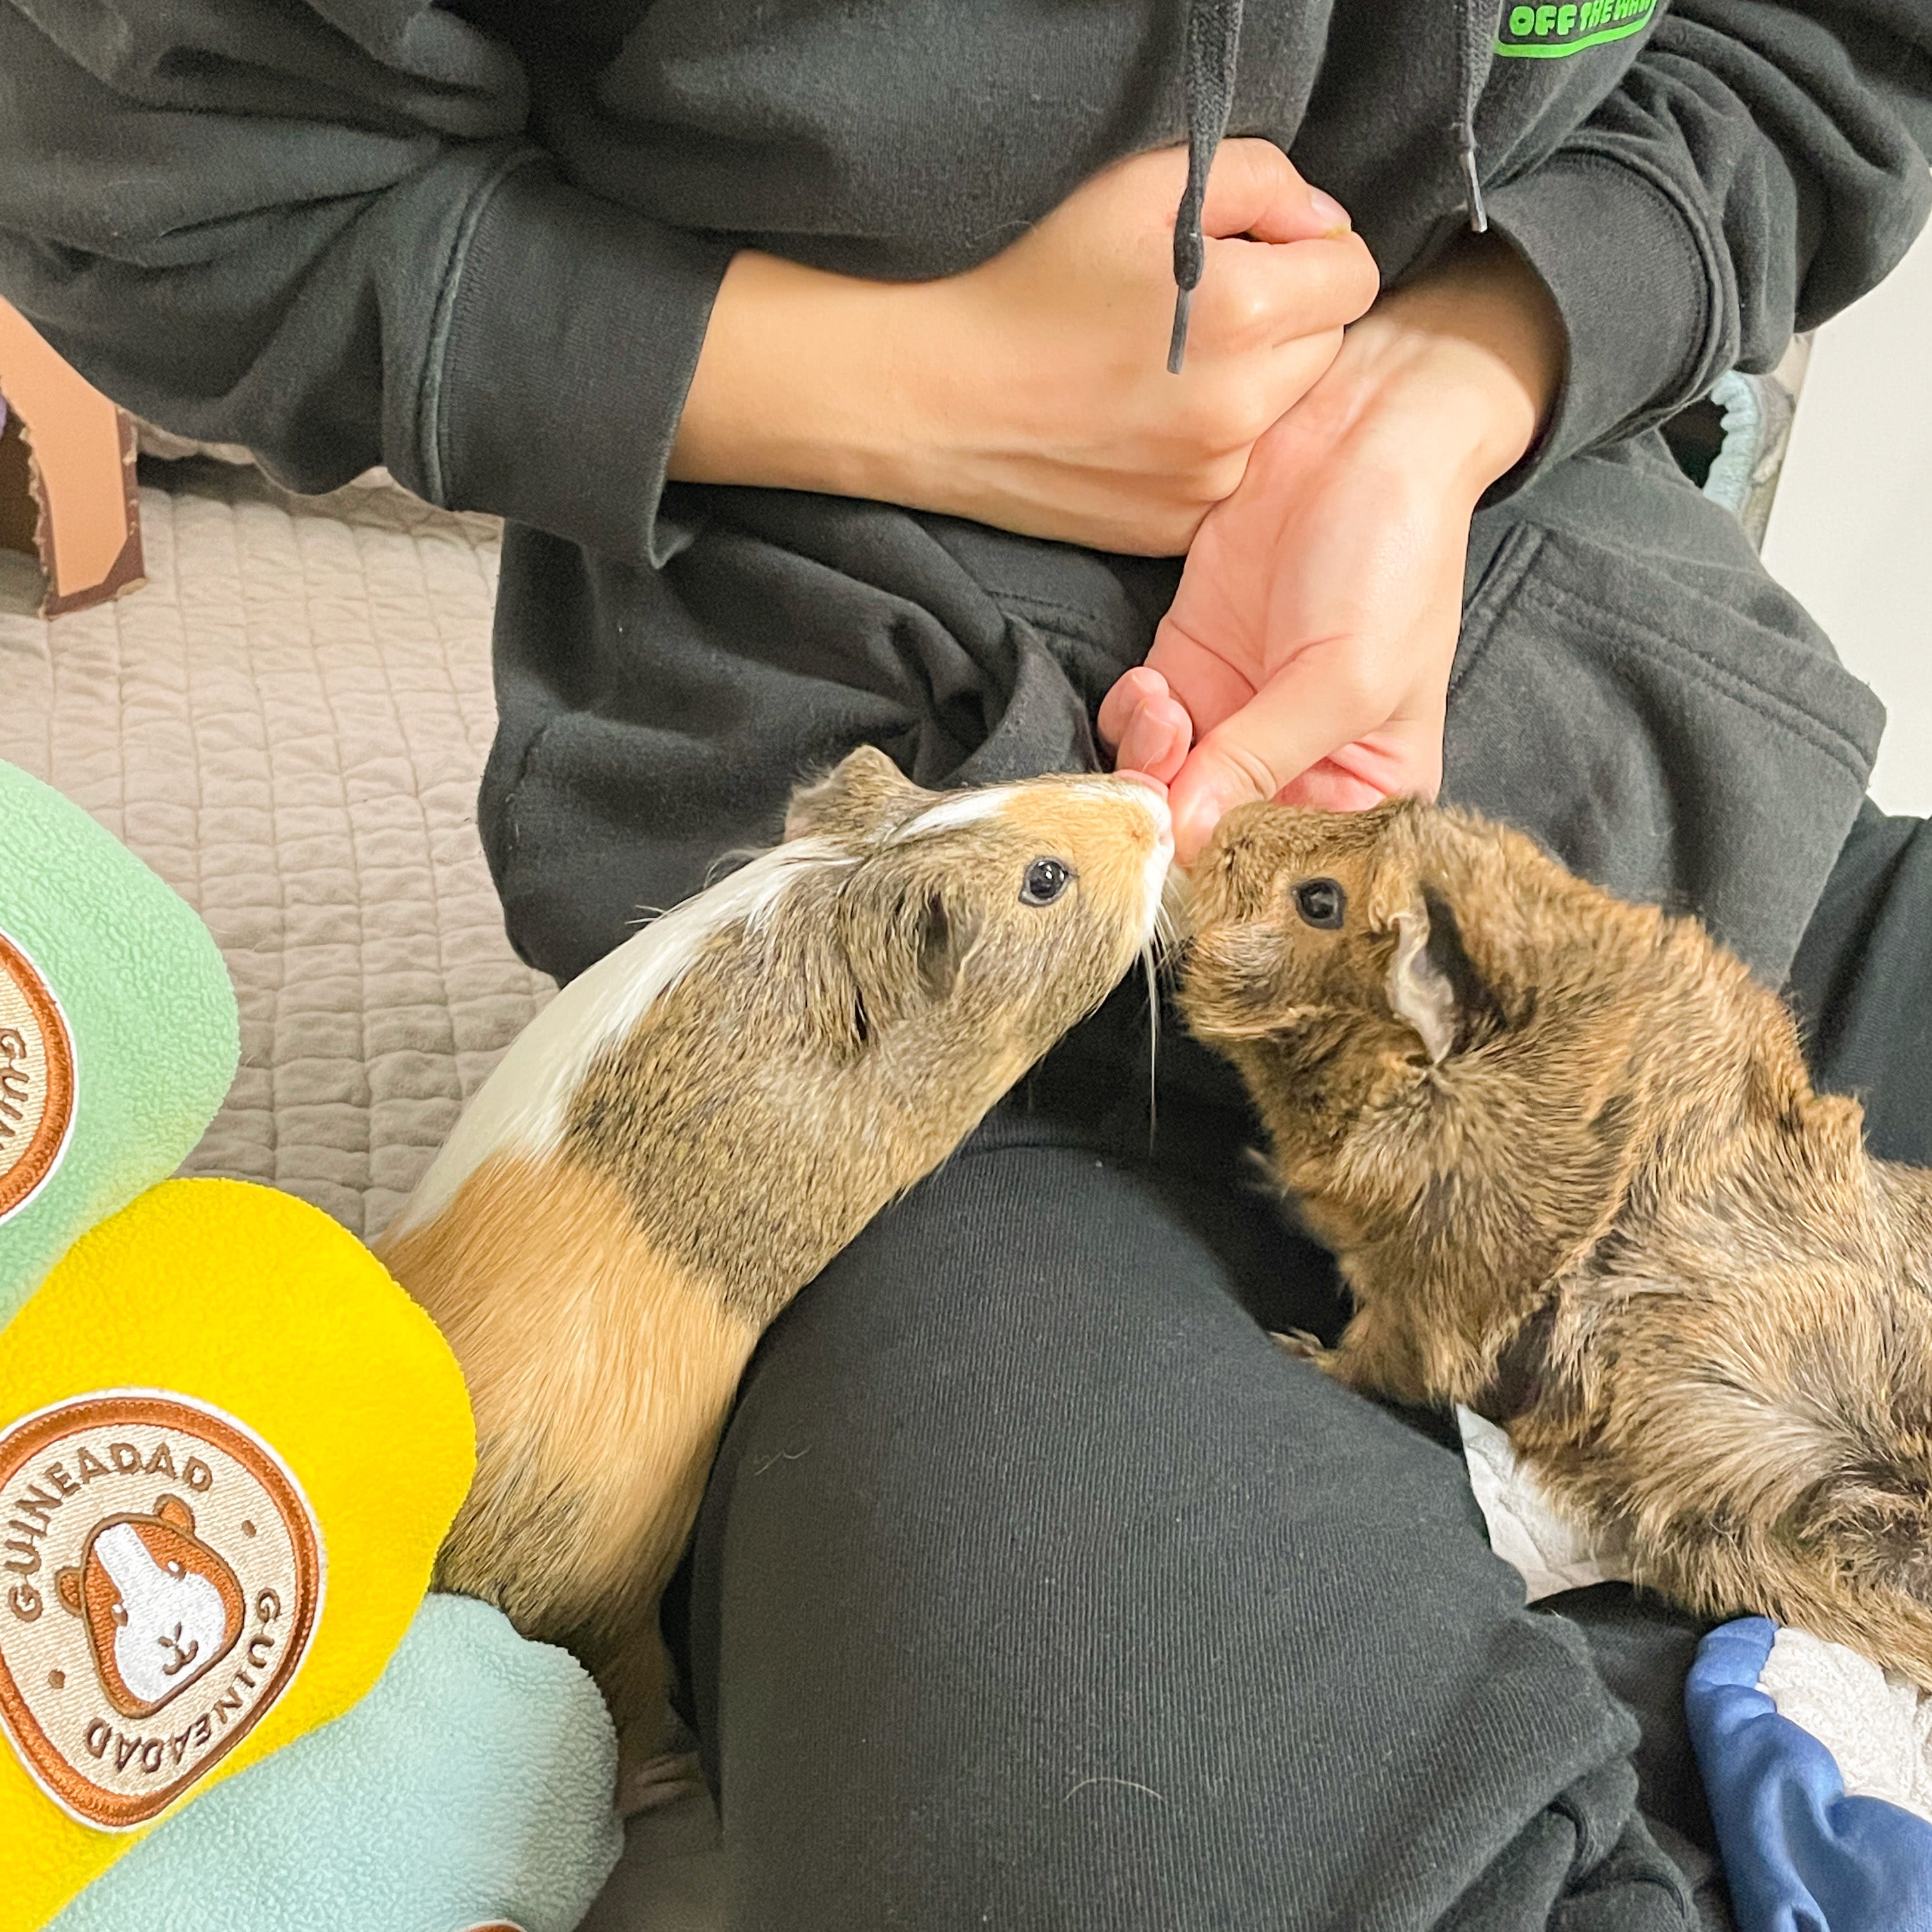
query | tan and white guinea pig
(1568,1154)
(695,1126)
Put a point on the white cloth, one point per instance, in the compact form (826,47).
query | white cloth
(1552,1553)
(1877,1726)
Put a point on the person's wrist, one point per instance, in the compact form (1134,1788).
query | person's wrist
(1460,369)
(1449,411)
(1427,420)
(802,383)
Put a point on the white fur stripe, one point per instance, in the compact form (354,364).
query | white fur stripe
(522,1104)
(968,807)
(965,808)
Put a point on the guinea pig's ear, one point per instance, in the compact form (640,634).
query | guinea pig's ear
(1433,984)
(176,1513)
(873,959)
(947,936)
(861,794)
(838,1017)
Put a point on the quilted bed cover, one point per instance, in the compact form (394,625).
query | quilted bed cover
(287,724)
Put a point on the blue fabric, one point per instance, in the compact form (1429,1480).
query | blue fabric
(1801,1856)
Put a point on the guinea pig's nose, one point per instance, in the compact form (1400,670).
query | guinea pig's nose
(1162,817)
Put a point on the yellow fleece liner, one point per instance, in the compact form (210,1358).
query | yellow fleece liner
(229,1447)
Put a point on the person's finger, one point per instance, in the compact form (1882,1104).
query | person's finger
(1143,685)
(1156,741)
(1401,760)
(1274,293)
(1327,786)
(1254,189)
(1313,707)
(1207,687)
(1144,726)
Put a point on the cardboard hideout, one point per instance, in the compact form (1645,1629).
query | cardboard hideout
(67,492)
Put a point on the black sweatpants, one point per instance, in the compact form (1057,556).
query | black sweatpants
(1035,1588)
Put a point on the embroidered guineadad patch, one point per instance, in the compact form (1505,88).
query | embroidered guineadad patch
(161,1575)
(37,1080)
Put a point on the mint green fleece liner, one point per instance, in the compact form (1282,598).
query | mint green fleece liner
(148,1004)
(472,1784)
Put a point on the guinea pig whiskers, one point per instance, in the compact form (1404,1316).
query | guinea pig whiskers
(1152,972)
(1167,925)
(735,860)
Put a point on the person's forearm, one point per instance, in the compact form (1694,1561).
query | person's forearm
(1031,392)
(797,385)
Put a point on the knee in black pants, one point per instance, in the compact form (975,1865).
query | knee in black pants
(1035,1588)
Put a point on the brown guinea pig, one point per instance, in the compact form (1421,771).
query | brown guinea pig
(695,1126)
(1567,1153)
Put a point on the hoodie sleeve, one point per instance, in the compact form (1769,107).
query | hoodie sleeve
(320,231)
(1760,166)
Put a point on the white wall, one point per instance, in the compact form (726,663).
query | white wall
(1851,530)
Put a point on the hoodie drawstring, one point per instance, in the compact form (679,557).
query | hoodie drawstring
(1474,27)
(1213,47)
(1213,52)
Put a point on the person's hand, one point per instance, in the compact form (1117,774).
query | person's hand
(1307,653)
(1308,645)
(1032,393)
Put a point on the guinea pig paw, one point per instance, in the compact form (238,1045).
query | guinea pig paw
(658,1782)
(1302,1346)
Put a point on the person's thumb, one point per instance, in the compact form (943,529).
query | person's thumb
(1252,188)
(1315,705)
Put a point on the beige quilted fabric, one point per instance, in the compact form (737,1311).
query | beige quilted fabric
(288,723)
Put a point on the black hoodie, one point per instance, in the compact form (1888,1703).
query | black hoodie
(478,242)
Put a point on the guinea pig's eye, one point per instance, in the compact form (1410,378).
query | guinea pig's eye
(1046,879)
(1321,902)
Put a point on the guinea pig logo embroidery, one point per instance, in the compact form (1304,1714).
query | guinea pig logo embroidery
(161,1574)
(162,1609)
(37,1079)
